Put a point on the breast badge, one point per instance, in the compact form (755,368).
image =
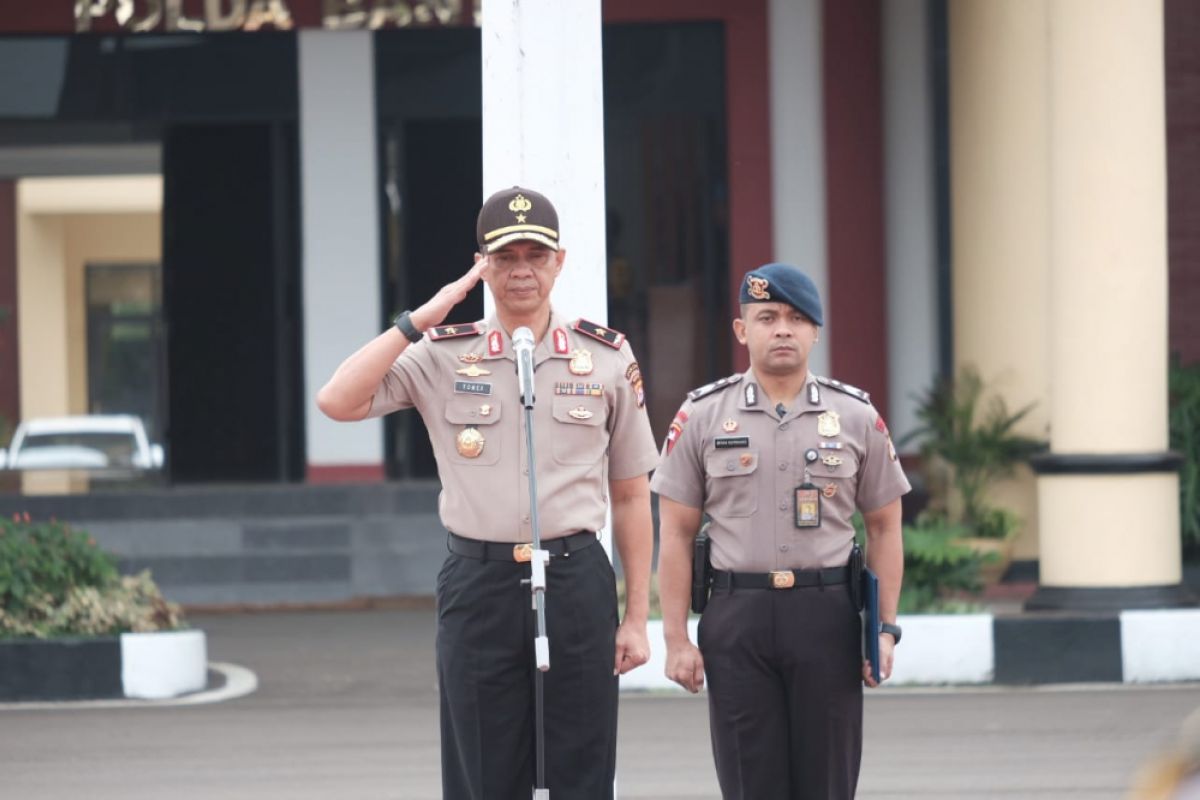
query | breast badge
(472,371)
(579,412)
(469,442)
(470,358)
(830,489)
(730,425)
(829,424)
(581,362)
(831,462)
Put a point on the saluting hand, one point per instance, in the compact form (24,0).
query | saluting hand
(685,666)
(450,295)
(886,651)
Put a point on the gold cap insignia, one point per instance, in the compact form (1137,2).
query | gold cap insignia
(757,288)
(519,205)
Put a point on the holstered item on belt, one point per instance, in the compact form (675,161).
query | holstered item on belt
(702,573)
(857,564)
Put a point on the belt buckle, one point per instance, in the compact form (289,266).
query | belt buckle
(522,552)
(783,579)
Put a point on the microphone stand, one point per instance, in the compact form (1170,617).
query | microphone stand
(537,584)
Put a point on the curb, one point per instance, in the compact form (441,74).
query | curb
(1133,647)
(142,666)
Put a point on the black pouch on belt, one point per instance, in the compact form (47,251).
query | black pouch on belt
(856,564)
(702,576)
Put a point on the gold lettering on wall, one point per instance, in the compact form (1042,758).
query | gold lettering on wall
(220,20)
(140,16)
(177,21)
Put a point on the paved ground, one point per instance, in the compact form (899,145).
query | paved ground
(346,708)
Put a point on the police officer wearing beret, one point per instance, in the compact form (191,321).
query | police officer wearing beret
(779,459)
(593,446)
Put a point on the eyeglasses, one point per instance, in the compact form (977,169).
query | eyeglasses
(538,258)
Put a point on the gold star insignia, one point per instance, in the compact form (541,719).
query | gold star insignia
(520,217)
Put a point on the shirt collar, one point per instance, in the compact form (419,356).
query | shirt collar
(811,397)
(498,343)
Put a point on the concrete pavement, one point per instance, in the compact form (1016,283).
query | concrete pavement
(346,707)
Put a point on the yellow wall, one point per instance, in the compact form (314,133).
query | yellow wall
(62,225)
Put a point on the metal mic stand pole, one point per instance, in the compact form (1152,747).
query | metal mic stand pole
(537,585)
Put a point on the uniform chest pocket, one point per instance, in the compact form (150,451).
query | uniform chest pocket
(579,435)
(732,482)
(471,435)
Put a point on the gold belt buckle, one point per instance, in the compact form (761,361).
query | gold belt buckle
(522,552)
(783,579)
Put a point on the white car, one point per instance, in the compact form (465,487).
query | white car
(102,442)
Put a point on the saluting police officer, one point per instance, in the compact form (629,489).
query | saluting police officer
(780,459)
(592,444)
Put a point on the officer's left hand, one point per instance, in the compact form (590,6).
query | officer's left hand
(633,648)
(887,647)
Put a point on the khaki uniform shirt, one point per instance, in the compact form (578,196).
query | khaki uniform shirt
(588,419)
(731,455)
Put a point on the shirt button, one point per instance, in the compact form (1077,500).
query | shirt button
(525,470)
(783,465)
(785,426)
(729,466)
(525,518)
(783,547)
(783,506)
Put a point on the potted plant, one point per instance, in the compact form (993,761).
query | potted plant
(968,442)
(71,626)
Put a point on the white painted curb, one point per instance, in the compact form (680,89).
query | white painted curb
(938,649)
(155,666)
(1160,645)
(944,648)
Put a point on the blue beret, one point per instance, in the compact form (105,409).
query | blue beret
(782,283)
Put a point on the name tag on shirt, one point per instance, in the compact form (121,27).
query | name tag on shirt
(722,442)
(472,387)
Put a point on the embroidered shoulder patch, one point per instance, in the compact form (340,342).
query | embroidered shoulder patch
(707,389)
(613,339)
(853,391)
(454,331)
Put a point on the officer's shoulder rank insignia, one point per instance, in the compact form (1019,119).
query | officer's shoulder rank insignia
(846,388)
(454,331)
(613,339)
(715,386)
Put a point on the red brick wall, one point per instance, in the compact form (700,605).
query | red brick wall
(1181,35)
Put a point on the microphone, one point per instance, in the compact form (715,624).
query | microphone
(522,343)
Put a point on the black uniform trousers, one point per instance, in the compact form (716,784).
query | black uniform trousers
(784,674)
(485,662)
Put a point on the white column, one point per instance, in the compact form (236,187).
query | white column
(1117,529)
(543,128)
(340,229)
(910,208)
(798,151)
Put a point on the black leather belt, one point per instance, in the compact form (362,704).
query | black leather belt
(780,579)
(502,551)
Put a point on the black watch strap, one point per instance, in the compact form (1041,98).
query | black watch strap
(403,321)
(894,630)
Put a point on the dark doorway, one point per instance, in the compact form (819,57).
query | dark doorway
(231,297)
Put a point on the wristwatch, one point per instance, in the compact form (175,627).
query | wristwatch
(403,321)
(894,630)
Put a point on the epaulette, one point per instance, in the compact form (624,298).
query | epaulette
(613,339)
(707,389)
(454,331)
(853,391)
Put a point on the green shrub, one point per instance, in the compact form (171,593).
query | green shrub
(55,581)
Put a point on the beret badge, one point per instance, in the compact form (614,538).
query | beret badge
(757,287)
